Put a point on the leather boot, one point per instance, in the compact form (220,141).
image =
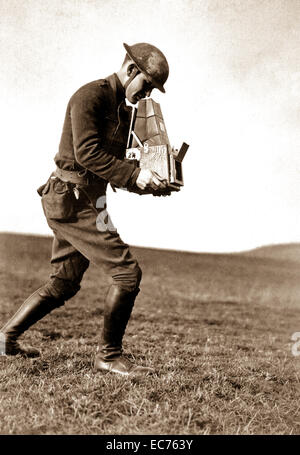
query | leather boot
(118,308)
(32,310)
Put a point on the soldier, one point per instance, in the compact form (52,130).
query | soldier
(91,154)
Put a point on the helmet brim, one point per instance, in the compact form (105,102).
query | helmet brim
(154,82)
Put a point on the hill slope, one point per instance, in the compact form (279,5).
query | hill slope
(284,252)
(217,329)
(259,275)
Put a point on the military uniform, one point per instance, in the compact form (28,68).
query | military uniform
(92,145)
(90,155)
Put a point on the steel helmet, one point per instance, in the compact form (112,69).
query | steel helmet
(150,61)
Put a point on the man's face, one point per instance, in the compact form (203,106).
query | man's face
(139,87)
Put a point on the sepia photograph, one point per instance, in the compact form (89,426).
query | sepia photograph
(150,220)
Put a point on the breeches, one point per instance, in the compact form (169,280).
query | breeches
(88,236)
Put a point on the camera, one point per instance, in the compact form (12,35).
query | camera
(149,147)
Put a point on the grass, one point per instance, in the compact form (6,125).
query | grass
(217,329)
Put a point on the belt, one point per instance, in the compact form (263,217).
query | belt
(74,176)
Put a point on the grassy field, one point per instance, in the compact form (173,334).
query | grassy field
(217,329)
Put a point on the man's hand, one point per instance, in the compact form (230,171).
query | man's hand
(149,179)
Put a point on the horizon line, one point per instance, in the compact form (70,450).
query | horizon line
(170,249)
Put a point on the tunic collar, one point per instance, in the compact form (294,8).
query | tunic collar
(117,87)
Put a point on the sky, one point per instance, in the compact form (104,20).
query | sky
(232,95)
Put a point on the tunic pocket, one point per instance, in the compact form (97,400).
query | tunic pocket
(58,200)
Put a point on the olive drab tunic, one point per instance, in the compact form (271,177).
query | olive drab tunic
(95,132)
(93,143)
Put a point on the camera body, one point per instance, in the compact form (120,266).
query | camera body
(148,144)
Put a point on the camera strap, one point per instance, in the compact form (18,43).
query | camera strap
(135,71)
